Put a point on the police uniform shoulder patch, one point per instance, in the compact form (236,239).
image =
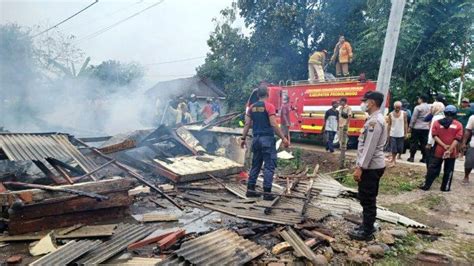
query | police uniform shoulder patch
(372,125)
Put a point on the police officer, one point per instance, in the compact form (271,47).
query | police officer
(261,116)
(370,163)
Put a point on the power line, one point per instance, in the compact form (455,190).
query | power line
(75,14)
(104,16)
(103,30)
(174,61)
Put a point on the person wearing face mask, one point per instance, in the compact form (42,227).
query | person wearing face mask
(330,126)
(370,163)
(447,134)
(398,129)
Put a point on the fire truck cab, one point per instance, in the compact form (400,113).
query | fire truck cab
(310,101)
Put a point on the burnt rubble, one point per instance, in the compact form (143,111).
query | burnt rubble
(171,196)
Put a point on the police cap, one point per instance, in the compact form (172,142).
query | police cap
(378,97)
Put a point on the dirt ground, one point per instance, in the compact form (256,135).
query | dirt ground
(451,213)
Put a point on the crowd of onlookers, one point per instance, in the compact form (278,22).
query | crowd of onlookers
(440,131)
(182,111)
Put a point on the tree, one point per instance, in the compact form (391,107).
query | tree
(434,35)
(113,75)
(433,38)
(18,73)
(57,54)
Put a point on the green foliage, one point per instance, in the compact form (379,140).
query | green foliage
(114,74)
(18,72)
(403,248)
(347,180)
(294,164)
(434,36)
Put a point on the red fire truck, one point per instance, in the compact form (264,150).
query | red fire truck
(309,102)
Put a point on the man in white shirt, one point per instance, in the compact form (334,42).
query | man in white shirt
(397,128)
(469,162)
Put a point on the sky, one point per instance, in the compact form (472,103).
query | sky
(172,30)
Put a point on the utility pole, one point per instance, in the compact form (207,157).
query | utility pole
(462,76)
(390,47)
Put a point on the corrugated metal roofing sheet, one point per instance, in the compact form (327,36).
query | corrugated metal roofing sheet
(126,235)
(221,247)
(301,249)
(25,147)
(67,253)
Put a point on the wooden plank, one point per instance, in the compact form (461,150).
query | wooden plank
(89,231)
(51,222)
(38,195)
(77,204)
(198,167)
(124,145)
(61,171)
(189,139)
(158,217)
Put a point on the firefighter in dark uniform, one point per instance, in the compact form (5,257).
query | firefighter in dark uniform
(261,117)
(370,164)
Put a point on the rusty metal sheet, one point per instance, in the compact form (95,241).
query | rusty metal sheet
(125,235)
(221,247)
(67,253)
(26,147)
(301,249)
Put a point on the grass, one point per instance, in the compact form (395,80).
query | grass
(293,164)
(402,251)
(430,201)
(390,183)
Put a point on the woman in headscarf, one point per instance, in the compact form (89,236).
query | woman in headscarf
(437,111)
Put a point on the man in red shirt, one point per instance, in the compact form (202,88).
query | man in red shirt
(207,109)
(261,117)
(447,133)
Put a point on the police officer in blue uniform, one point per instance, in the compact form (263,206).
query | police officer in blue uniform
(261,116)
(370,164)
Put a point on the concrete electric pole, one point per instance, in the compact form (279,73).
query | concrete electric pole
(390,47)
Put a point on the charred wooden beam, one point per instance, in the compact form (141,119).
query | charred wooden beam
(59,189)
(133,174)
(46,171)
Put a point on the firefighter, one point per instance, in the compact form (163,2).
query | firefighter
(370,163)
(342,57)
(316,66)
(345,112)
(261,117)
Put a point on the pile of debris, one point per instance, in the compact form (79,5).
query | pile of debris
(191,206)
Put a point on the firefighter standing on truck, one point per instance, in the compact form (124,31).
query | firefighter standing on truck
(316,66)
(370,164)
(262,117)
(342,57)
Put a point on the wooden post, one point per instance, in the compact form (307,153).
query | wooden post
(390,47)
